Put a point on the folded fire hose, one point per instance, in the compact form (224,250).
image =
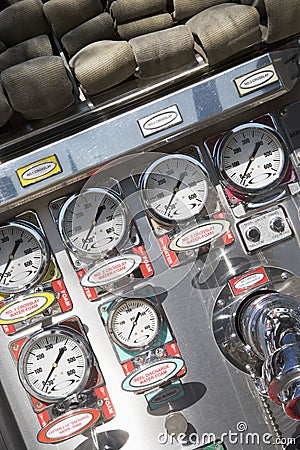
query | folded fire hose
(108,42)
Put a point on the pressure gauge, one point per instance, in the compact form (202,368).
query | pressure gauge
(54,364)
(134,323)
(175,188)
(24,257)
(252,158)
(93,222)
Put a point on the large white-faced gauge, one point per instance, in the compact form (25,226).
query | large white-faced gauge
(134,323)
(252,158)
(55,364)
(24,257)
(175,188)
(93,222)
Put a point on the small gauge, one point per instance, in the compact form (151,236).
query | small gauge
(24,257)
(252,158)
(93,222)
(54,364)
(134,323)
(175,188)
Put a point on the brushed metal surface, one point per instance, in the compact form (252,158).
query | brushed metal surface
(218,396)
(207,101)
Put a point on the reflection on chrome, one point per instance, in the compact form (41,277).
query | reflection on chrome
(270,325)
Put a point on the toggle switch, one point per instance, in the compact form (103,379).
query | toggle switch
(265,229)
(253,234)
(277,225)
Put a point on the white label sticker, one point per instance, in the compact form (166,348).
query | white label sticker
(153,375)
(249,280)
(255,80)
(111,270)
(199,235)
(39,170)
(160,120)
(68,425)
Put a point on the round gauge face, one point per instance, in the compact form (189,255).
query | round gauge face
(54,364)
(93,223)
(134,323)
(175,188)
(252,158)
(24,257)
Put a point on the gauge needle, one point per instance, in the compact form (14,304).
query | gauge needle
(175,190)
(251,159)
(11,257)
(98,214)
(134,324)
(54,365)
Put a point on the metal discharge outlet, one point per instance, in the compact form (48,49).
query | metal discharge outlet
(270,325)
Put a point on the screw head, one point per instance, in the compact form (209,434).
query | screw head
(159,352)
(138,360)
(61,407)
(47,312)
(283,112)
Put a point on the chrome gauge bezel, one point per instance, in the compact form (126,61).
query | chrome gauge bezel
(150,170)
(80,342)
(244,190)
(44,257)
(114,310)
(66,237)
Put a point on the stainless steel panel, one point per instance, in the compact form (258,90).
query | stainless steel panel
(219,397)
(205,102)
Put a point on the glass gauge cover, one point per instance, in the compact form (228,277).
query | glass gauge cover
(54,364)
(134,323)
(252,158)
(24,257)
(93,222)
(175,188)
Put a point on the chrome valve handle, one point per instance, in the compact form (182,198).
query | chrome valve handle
(270,325)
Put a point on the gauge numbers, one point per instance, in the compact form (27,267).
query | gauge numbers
(93,222)
(24,257)
(134,323)
(252,158)
(54,364)
(175,188)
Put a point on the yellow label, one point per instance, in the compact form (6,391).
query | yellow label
(28,306)
(52,272)
(39,170)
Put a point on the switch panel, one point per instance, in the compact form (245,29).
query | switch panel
(265,229)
